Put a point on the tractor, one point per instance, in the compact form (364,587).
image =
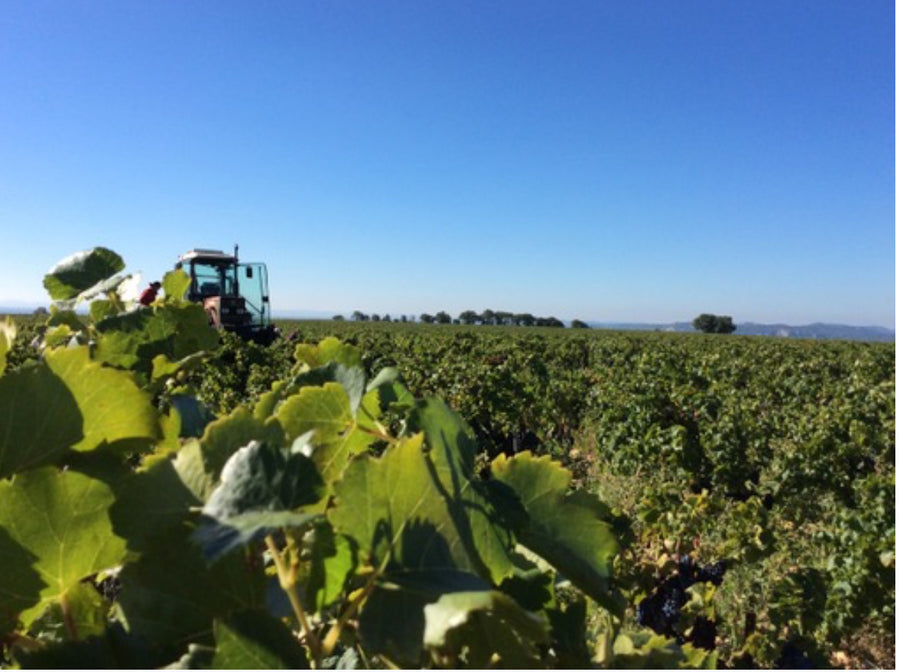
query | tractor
(234,295)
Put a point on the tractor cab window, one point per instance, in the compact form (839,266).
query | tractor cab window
(211,279)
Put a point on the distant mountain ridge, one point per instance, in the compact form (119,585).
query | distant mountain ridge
(817,330)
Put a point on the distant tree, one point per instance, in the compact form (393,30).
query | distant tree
(578,324)
(387,317)
(40,311)
(359,316)
(525,319)
(549,322)
(714,324)
(426,318)
(403,318)
(503,317)
(376,317)
(468,317)
(443,318)
(338,318)
(726,326)
(488,316)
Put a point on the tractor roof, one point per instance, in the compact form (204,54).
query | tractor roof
(206,255)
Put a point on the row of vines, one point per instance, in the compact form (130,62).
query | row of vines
(170,496)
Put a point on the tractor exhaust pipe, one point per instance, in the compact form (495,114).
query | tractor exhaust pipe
(235,251)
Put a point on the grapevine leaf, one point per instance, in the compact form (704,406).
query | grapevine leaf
(567,530)
(7,335)
(102,287)
(419,508)
(175,284)
(59,317)
(222,438)
(150,502)
(111,404)
(391,392)
(392,621)
(132,340)
(481,624)
(328,350)
(193,415)
(447,434)
(262,477)
(163,367)
(61,520)
(40,416)
(333,560)
(101,309)
(86,611)
(327,412)
(191,470)
(20,585)
(253,640)
(261,486)
(81,271)
(170,596)
(68,401)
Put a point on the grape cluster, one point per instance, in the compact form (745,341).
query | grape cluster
(660,610)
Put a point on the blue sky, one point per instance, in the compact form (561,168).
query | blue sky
(613,160)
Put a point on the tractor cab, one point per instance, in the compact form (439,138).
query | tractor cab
(234,295)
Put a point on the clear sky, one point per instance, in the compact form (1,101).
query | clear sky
(612,160)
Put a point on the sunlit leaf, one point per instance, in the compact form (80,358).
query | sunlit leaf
(65,402)
(566,529)
(477,626)
(81,271)
(60,520)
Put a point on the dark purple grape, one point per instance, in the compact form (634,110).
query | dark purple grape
(713,573)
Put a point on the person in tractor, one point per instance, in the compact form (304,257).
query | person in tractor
(148,296)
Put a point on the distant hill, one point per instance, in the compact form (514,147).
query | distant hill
(817,330)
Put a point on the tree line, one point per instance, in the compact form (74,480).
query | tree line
(470,317)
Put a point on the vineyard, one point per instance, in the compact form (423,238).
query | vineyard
(383,495)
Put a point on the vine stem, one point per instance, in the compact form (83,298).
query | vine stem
(331,638)
(377,434)
(71,628)
(287,580)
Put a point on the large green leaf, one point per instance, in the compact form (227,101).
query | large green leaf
(326,411)
(222,438)
(65,402)
(261,487)
(479,627)
(175,284)
(60,520)
(81,271)
(132,340)
(253,640)
(41,419)
(417,505)
(328,350)
(112,406)
(392,621)
(333,559)
(171,596)
(150,502)
(568,530)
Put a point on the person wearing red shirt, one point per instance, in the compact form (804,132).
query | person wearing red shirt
(148,296)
